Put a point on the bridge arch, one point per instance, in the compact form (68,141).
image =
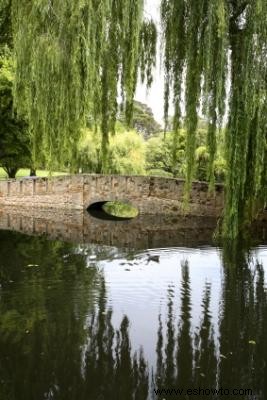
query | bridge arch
(113,210)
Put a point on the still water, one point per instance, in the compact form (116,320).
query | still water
(91,322)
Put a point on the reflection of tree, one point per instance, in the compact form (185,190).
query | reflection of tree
(47,296)
(187,363)
(175,368)
(57,339)
(243,326)
(42,315)
(185,351)
(109,364)
(205,361)
(242,358)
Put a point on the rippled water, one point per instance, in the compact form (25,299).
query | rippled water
(99,322)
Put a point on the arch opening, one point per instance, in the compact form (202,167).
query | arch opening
(113,210)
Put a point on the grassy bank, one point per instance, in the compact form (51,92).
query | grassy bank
(26,172)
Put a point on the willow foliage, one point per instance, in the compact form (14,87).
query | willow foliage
(5,24)
(70,57)
(209,45)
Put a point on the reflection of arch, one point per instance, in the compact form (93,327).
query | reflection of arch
(142,232)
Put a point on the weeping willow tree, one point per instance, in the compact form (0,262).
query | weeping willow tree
(71,59)
(73,56)
(212,47)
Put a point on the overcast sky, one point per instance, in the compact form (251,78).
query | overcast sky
(154,98)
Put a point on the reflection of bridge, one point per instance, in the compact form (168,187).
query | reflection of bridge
(143,232)
(140,233)
(151,195)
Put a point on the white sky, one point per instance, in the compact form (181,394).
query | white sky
(155,97)
(131,287)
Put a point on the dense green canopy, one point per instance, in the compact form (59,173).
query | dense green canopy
(71,55)
(14,140)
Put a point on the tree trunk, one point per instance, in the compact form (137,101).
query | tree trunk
(32,172)
(11,172)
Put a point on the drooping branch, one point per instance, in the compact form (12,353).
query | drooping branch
(219,35)
(238,9)
(70,58)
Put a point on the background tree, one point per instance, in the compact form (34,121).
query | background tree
(202,160)
(161,156)
(126,154)
(14,140)
(5,24)
(143,120)
(166,156)
(14,137)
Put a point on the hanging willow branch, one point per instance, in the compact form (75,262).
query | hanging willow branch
(70,56)
(202,40)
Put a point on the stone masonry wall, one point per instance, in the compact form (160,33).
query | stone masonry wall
(151,195)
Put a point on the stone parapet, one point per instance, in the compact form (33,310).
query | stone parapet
(151,195)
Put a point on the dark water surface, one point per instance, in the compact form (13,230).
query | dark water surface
(94,321)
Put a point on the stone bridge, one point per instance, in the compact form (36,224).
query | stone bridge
(150,195)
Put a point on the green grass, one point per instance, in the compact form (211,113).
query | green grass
(26,172)
(120,209)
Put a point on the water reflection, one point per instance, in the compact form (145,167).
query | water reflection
(63,335)
(142,232)
(190,358)
(243,328)
(45,294)
(111,370)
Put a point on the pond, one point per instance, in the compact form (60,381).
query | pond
(86,318)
